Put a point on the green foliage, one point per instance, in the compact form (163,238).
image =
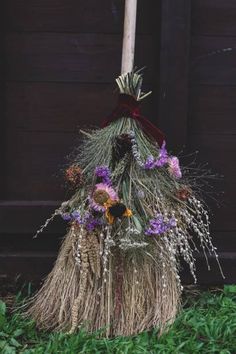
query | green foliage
(206,325)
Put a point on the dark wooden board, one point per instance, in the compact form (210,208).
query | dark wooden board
(225,241)
(27,216)
(34,163)
(212,276)
(212,109)
(214,17)
(33,266)
(45,242)
(219,152)
(2,101)
(45,160)
(64,107)
(211,119)
(72,57)
(62,58)
(42,128)
(213,60)
(174,60)
(77,16)
(42,154)
(26,266)
(51,238)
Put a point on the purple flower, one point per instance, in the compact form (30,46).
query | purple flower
(93,223)
(105,189)
(95,206)
(162,159)
(66,216)
(163,156)
(104,173)
(161,162)
(163,152)
(75,215)
(149,163)
(159,225)
(87,219)
(174,168)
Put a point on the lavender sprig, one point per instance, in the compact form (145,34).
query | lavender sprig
(159,225)
(88,220)
(150,162)
(104,173)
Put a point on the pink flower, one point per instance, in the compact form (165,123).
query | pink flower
(101,194)
(104,187)
(173,167)
(95,206)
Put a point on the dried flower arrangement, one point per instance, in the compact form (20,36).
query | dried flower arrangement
(131,218)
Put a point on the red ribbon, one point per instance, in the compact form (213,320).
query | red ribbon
(128,107)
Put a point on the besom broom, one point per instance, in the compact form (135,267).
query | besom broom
(131,218)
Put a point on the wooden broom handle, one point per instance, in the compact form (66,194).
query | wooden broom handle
(128,47)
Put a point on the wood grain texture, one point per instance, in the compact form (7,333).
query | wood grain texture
(49,241)
(214,17)
(213,60)
(212,109)
(213,276)
(211,124)
(35,266)
(219,152)
(174,59)
(77,16)
(46,242)
(72,57)
(27,217)
(2,105)
(42,128)
(34,163)
(28,266)
(64,107)
(62,58)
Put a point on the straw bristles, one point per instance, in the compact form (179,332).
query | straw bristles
(94,254)
(74,296)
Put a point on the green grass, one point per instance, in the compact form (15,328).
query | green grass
(206,325)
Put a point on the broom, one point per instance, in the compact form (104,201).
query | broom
(130,219)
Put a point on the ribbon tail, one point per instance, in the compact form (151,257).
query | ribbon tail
(151,129)
(116,114)
(129,107)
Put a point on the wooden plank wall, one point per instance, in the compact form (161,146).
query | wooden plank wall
(211,122)
(61,58)
(197,107)
(174,75)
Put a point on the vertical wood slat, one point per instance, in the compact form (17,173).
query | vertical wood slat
(2,103)
(174,60)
